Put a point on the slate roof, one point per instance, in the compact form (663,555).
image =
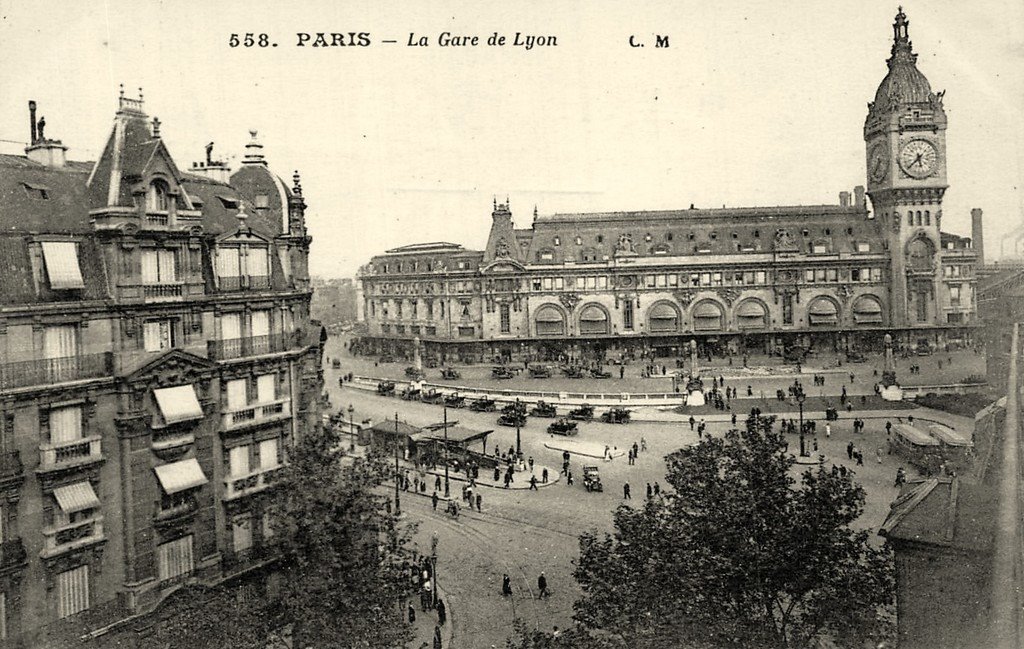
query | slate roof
(945,512)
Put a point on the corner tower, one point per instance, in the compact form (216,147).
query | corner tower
(905,137)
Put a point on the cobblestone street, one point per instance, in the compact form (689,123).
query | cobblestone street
(522,532)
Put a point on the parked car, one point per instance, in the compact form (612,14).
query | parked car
(592,479)
(543,409)
(583,413)
(563,426)
(512,419)
(598,373)
(414,373)
(450,373)
(540,372)
(386,388)
(483,404)
(502,372)
(387,358)
(615,416)
(410,393)
(455,400)
(573,372)
(431,396)
(856,357)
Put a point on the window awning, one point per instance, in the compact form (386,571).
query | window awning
(179,476)
(76,497)
(549,314)
(178,403)
(867,306)
(823,308)
(707,310)
(62,268)
(663,311)
(750,309)
(593,314)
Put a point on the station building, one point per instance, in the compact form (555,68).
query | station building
(738,280)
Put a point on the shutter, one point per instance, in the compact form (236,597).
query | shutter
(265,388)
(260,323)
(72,591)
(227,262)
(60,341)
(175,558)
(238,460)
(166,262)
(152,336)
(65,425)
(150,267)
(258,262)
(268,454)
(231,326)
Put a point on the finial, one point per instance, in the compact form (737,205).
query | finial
(122,91)
(296,183)
(252,134)
(495,198)
(156,127)
(140,94)
(508,203)
(534,210)
(241,216)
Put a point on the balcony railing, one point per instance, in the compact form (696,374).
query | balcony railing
(243,282)
(59,539)
(221,350)
(238,486)
(48,371)
(257,414)
(65,454)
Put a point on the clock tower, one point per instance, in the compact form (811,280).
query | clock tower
(905,137)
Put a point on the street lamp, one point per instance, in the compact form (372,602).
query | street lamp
(398,477)
(800,400)
(433,564)
(519,441)
(351,429)
(447,491)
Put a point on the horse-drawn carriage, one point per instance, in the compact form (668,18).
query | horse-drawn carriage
(410,393)
(583,413)
(450,373)
(563,426)
(482,404)
(543,409)
(386,388)
(615,416)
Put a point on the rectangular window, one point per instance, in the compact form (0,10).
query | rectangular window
(158,266)
(581,283)
(694,279)
(157,335)
(536,284)
(808,275)
(705,279)
(716,279)
(415,309)
(627,315)
(506,321)
(238,461)
(260,323)
(266,388)
(262,201)
(547,284)
(855,275)
(819,249)
(954,295)
(559,283)
(237,397)
(662,281)
(865,274)
(72,591)
(819,275)
(267,525)
(174,558)
(231,326)
(62,269)
(258,262)
(761,277)
(466,332)
(876,274)
(269,449)
(649,280)
(833,275)
(922,306)
(591,283)
(748,278)
(65,424)
(241,533)
(787,309)
(863,247)
(228,262)
(673,280)
(60,341)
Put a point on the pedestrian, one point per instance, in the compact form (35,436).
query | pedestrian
(433,500)
(888,427)
(544,475)
(437,483)
(437,637)
(442,612)
(479,499)
(412,613)
(625,492)
(815,444)
(497,474)
(649,491)
(533,483)
(636,449)
(531,463)
(542,586)
(657,489)
(692,422)
(860,459)
(851,378)
(643,443)
(425,595)
(622,371)
(506,585)
(568,479)
(849,450)
(878,454)
(828,430)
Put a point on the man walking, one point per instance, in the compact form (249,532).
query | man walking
(433,500)
(479,499)
(625,492)
(544,475)
(649,492)
(533,483)
(506,585)
(542,586)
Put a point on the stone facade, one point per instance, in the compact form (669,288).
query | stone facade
(739,279)
(157,361)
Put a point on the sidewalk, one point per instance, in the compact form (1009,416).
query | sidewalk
(423,627)
(520,479)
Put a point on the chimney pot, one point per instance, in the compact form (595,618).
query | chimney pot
(32,120)
(858,196)
(844,199)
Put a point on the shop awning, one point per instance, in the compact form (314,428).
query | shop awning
(550,314)
(178,403)
(179,476)
(76,497)
(750,309)
(62,268)
(707,310)
(823,308)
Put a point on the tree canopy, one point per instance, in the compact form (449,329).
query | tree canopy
(739,553)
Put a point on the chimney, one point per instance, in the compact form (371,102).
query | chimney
(858,197)
(217,170)
(844,199)
(32,121)
(50,153)
(977,235)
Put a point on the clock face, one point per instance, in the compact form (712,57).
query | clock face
(878,162)
(918,158)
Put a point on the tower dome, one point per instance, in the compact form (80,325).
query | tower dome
(904,84)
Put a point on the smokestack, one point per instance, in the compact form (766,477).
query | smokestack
(32,120)
(858,196)
(977,235)
(844,199)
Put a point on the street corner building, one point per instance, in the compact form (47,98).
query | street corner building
(759,279)
(157,363)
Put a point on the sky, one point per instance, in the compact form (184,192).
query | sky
(752,104)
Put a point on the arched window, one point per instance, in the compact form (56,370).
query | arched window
(158,197)
(751,314)
(919,254)
(927,217)
(550,321)
(867,310)
(593,320)
(822,312)
(707,316)
(662,318)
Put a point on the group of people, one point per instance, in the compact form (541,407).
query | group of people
(542,586)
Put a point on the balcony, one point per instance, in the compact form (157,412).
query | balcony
(10,467)
(259,480)
(64,538)
(256,414)
(222,350)
(149,292)
(176,513)
(64,455)
(50,371)
(243,282)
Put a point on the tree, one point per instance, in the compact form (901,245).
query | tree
(344,560)
(739,554)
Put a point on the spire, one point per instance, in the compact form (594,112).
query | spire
(254,150)
(495,198)
(902,50)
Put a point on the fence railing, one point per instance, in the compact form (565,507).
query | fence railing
(221,350)
(55,456)
(256,413)
(48,371)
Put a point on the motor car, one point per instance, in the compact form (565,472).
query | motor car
(592,479)
(583,413)
(543,409)
(455,400)
(450,373)
(615,416)
(540,372)
(386,388)
(563,426)
(483,404)
(502,372)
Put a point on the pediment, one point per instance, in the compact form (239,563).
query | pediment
(503,265)
(175,367)
(243,235)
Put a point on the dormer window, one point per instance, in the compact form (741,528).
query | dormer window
(38,192)
(158,196)
(228,202)
(262,201)
(558,241)
(579,241)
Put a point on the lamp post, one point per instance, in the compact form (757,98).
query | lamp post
(351,429)
(447,491)
(433,565)
(398,476)
(800,401)
(519,441)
